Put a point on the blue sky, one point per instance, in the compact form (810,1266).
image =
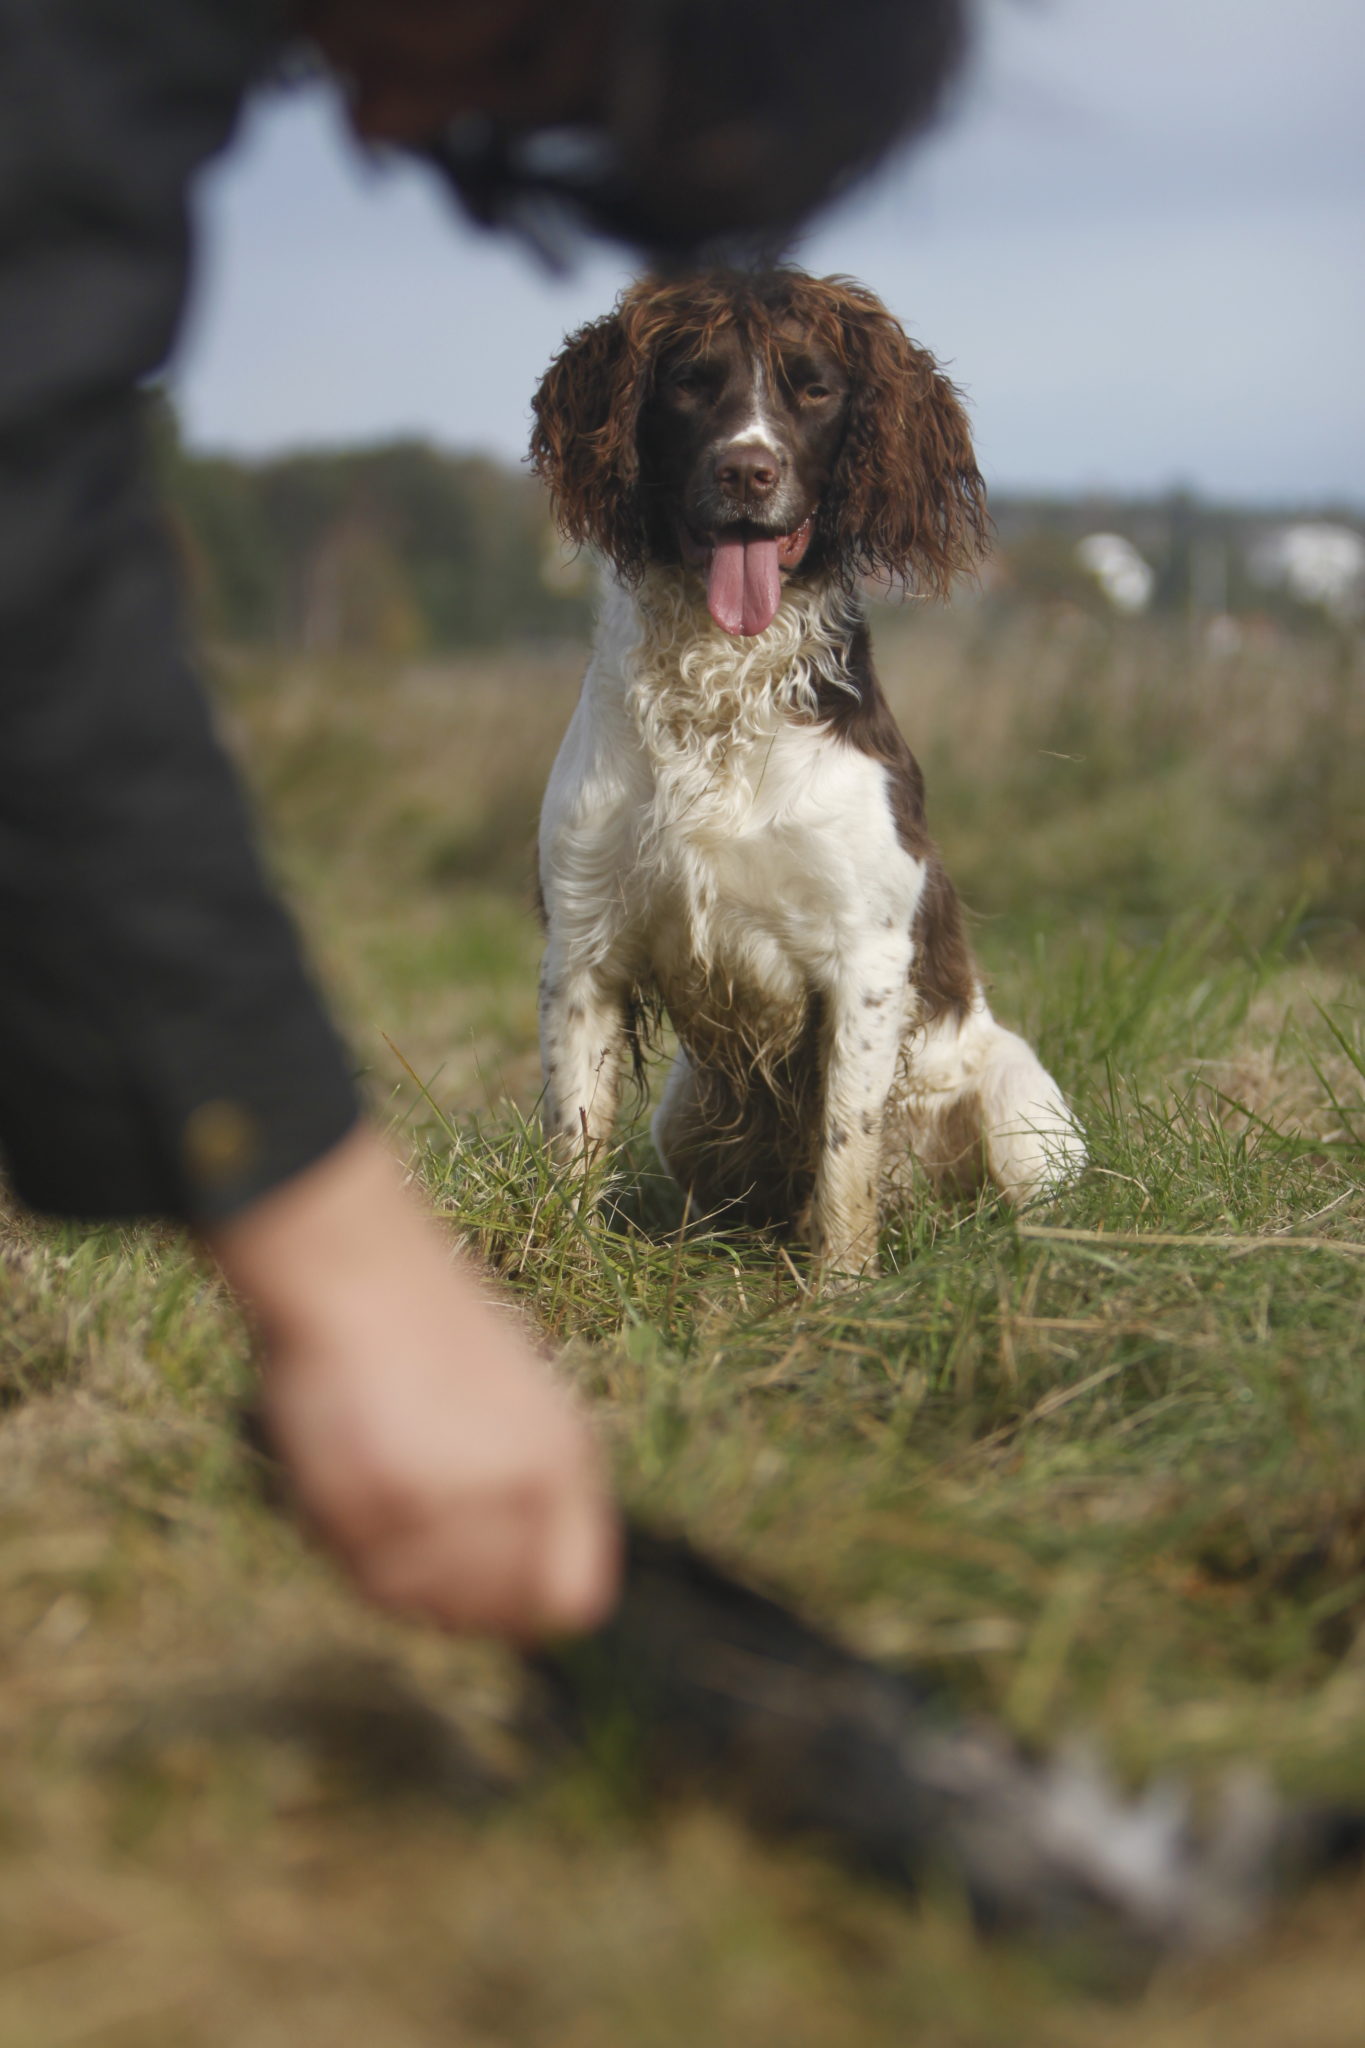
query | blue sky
(1138,245)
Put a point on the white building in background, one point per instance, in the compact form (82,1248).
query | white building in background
(1126,577)
(1318,562)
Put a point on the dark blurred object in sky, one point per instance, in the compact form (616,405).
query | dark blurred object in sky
(676,126)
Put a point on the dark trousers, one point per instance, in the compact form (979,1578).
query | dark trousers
(162,1051)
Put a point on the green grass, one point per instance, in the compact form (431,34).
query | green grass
(1101,1467)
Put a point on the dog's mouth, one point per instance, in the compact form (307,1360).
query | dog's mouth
(744,572)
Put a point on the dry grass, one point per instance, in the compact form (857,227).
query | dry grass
(1106,1469)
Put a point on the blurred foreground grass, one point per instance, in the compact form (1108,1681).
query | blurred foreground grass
(1107,1469)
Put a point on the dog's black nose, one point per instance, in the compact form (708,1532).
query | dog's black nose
(749,474)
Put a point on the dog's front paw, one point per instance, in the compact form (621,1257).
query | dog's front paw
(581,1169)
(841,1258)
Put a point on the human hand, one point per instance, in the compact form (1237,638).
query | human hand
(429,1447)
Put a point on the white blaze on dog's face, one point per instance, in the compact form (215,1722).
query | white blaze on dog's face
(739,442)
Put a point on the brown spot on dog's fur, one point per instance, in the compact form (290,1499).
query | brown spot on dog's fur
(542,909)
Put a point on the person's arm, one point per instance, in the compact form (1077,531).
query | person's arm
(162,1049)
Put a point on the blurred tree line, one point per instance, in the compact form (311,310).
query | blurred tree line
(399,549)
(403,549)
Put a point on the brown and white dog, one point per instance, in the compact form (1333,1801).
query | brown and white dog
(735,825)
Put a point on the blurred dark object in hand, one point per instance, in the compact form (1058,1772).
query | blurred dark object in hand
(679,126)
(700,1684)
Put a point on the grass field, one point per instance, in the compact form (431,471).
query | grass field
(1104,1470)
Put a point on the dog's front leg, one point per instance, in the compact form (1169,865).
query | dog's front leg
(864,1021)
(583,1040)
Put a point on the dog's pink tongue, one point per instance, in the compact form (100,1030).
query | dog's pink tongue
(744,585)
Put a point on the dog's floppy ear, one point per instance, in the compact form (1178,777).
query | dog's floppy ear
(587,414)
(907,501)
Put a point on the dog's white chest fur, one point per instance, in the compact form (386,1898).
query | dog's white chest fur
(748,846)
(799,866)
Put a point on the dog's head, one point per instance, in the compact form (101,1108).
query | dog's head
(756,428)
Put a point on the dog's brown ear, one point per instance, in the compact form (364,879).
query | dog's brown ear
(587,414)
(908,501)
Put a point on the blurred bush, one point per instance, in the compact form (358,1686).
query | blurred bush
(1137,765)
(394,550)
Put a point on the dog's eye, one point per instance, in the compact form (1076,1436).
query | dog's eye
(815,391)
(688,378)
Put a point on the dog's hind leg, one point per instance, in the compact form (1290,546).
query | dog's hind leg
(980,1102)
(1033,1146)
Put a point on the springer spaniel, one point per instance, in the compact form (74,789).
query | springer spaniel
(734,826)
